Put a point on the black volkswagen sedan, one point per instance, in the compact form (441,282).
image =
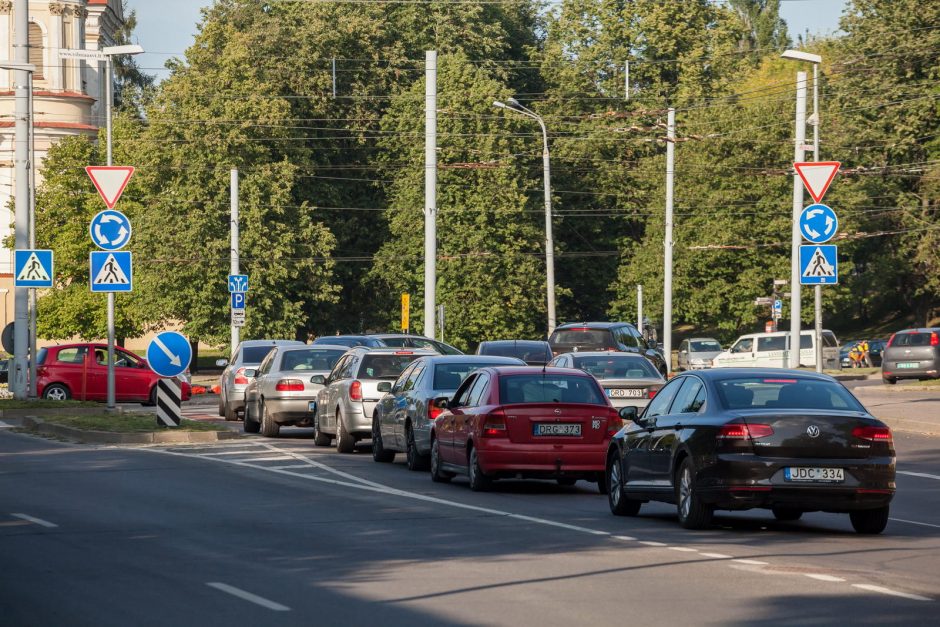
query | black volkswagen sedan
(786,440)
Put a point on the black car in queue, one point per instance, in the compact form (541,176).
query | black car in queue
(742,438)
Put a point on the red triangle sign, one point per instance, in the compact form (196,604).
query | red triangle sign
(110,181)
(817,175)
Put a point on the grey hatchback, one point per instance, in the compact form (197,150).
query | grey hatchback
(912,354)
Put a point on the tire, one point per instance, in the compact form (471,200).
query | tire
(222,405)
(888,380)
(230,414)
(438,475)
(479,482)
(602,483)
(320,438)
(617,499)
(566,481)
(416,461)
(379,453)
(152,398)
(870,521)
(269,428)
(250,425)
(693,513)
(786,514)
(56,392)
(345,443)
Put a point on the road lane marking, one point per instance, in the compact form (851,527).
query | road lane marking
(625,538)
(717,556)
(895,593)
(683,549)
(751,562)
(247,596)
(825,577)
(276,458)
(38,521)
(914,522)
(922,475)
(651,543)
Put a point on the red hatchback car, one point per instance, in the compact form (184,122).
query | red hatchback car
(80,372)
(531,422)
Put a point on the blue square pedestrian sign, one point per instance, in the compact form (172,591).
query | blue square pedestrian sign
(819,265)
(32,268)
(238,300)
(111,271)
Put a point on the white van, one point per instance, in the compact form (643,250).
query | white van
(770,350)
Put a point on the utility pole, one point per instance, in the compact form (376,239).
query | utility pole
(667,292)
(798,155)
(430,191)
(21,196)
(234,252)
(32,239)
(639,308)
(817,288)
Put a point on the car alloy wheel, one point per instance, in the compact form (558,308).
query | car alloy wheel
(57,392)
(269,428)
(478,481)
(320,438)
(438,475)
(416,461)
(693,513)
(619,504)
(379,453)
(345,443)
(250,425)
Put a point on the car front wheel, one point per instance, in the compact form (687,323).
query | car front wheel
(693,513)
(438,475)
(617,499)
(379,452)
(250,425)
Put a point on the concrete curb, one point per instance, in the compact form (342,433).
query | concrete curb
(55,411)
(917,426)
(35,424)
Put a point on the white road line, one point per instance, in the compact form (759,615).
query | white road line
(751,562)
(276,458)
(4,425)
(914,522)
(683,549)
(247,596)
(625,538)
(895,593)
(824,577)
(650,543)
(222,453)
(923,475)
(38,521)
(717,556)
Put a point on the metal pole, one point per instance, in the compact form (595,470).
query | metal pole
(798,155)
(21,195)
(430,191)
(626,80)
(440,317)
(334,78)
(818,288)
(549,240)
(667,292)
(234,258)
(32,238)
(109,101)
(639,308)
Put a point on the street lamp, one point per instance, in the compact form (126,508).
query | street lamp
(815,59)
(515,107)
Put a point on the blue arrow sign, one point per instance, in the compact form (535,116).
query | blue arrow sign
(819,265)
(111,271)
(169,354)
(110,230)
(237,283)
(818,223)
(32,268)
(238,300)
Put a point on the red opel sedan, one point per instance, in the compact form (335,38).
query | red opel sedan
(530,422)
(80,372)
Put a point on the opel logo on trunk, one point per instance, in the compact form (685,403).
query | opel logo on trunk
(558,412)
(812,431)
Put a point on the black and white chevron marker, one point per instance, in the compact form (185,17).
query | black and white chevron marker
(169,413)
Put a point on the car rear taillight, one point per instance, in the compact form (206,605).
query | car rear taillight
(652,393)
(355,391)
(434,411)
(739,431)
(289,385)
(873,434)
(494,425)
(614,424)
(934,339)
(240,378)
(41,371)
(891,340)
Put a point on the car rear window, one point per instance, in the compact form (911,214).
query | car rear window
(255,354)
(311,359)
(785,393)
(385,365)
(549,388)
(41,358)
(617,367)
(448,377)
(529,353)
(703,346)
(590,338)
(911,339)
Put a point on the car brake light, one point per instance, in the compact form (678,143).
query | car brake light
(404,352)
(614,424)
(740,431)
(890,340)
(355,391)
(873,434)
(494,425)
(240,378)
(41,371)
(651,393)
(434,411)
(289,385)
(934,339)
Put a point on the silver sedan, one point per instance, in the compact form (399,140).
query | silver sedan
(281,391)
(627,379)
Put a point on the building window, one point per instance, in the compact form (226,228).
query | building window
(36,50)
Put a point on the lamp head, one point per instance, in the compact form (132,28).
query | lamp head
(501,105)
(513,102)
(799,55)
(129,49)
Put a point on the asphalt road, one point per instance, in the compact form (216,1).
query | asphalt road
(271,532)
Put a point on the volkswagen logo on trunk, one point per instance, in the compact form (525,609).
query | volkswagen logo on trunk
(812,431)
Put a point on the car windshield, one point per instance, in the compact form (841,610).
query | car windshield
(338,340)
(581,337)
(385,365)
(549,388)
(527,352)
(311,359)
(447,377)
(255,354)
(785,393)
(704,346)
(617,367)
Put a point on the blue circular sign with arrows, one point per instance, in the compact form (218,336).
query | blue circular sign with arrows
(169,354)
(818,223)
(110,230)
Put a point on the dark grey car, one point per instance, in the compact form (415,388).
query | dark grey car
(532,352)
(401,421)
(912,354)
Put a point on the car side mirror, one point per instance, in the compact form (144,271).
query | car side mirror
(629,413)
(318,379)
(384,386)
(251,373)
(442,402)
(221,363)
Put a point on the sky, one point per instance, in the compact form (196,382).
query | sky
(166,28)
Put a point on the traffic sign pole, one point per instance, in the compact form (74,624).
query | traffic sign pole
(800,137)
(236,328)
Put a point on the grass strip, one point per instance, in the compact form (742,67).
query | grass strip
(126,423)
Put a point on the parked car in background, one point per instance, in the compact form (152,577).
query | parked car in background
(232,382)
(912,354)
(80,372)
(696,353)
(404,340)
(548,423)
(401,422)
(771,350)
(605,336)
(346,403)
(875,350)
(627,379)
(789,441)
(532,352)
(349,341)
(280,391)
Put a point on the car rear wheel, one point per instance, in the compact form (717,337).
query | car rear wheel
(479,482)
(222,405)
(870,521)
(416,461)
(888,380)
(617,499)
(345,443)
(230,414)
(320,438)
(787,513)
(379,453)
(693,513)
(438,475)
(152,399)
(56,392)
(250,425)
(269,428)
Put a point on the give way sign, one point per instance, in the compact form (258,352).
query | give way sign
(110,181)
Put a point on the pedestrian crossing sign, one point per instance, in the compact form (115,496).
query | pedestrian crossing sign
(33,268)
(819,265)
(111,271)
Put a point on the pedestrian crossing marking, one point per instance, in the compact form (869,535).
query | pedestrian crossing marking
(33,270)
(111,273)
(819,266)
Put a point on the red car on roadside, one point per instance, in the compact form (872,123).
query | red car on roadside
(80,372)
(530,422)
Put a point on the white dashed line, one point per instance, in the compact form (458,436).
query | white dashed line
(914,522)
(247,596)
(922,475)
(650,543)
(820,577)
(717,556)
(38,521)
(889,591)
(750,562)
(683,549)
(625,538)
